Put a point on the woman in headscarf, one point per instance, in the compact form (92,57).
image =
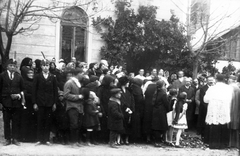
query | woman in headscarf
(92,69)
(128,108)
(159,113)
(29,118)
(26,64)
(137,117)
(37,69)
(104,94)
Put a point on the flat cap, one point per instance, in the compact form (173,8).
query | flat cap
(115,91)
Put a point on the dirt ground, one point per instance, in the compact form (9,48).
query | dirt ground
(29,149)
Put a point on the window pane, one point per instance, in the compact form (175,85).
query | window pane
(67,38)
(80,44)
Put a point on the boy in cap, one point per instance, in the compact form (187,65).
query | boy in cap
(44,98)
(11,97)
(115,116)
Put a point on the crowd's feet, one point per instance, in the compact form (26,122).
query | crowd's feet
(113,145)
(14,141)
(43,143)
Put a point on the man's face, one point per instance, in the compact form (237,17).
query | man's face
(154,72)
(187,82)
(195,81)
(104,66)
(11,67)
(180,74)
(161,72)
(45,68)
(141,72)
(210,81)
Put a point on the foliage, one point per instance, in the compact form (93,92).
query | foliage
(139,40)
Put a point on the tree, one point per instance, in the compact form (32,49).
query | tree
(138,40)
(203,30)
(23,16)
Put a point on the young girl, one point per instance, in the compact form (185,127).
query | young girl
(180,121)
(91,117)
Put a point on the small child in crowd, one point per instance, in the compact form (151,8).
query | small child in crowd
(180,121)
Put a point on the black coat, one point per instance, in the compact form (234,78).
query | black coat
(160,109)
(190,96)
(8,87)
(202,107)
(45,92)
(127,101)
(147,116)
(115,116)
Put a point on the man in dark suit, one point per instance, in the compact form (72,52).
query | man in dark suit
(11,93)
(44,98)
(190,101)
(203,106)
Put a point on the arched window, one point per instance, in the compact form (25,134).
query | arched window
(74,25)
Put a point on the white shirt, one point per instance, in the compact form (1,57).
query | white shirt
(140,77)
(45,75)
(219,99)
(9,74)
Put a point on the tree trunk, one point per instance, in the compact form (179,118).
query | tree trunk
(5,52)
(195,68)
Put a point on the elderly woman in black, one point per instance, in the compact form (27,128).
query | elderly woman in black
(159,115)
(128,107)
(104,94)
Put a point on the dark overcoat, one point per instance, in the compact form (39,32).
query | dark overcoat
(190,96)
(115,117)
(160,109)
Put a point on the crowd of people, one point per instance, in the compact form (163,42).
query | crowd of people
(99,103)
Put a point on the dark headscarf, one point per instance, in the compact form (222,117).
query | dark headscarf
(25,66)
(136,86)
(107,80)
(26,62)
(38,68)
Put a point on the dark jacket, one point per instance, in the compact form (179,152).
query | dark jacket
(44,90)
(115,116)
(190,96)
(8,87)
(202,107)
(160,109)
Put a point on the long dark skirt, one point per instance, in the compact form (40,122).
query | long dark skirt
(217,136)
(28,126)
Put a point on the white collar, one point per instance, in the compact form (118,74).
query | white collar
(75,80)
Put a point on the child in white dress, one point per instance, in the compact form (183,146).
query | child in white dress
(180,121)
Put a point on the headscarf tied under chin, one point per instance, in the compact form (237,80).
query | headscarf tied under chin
(136,86)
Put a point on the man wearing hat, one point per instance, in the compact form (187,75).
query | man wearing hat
(11,93)
(115,116)
(44,98)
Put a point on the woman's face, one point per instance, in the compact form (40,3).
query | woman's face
(33,65)
(95,66)
(30,74)
(52,66)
